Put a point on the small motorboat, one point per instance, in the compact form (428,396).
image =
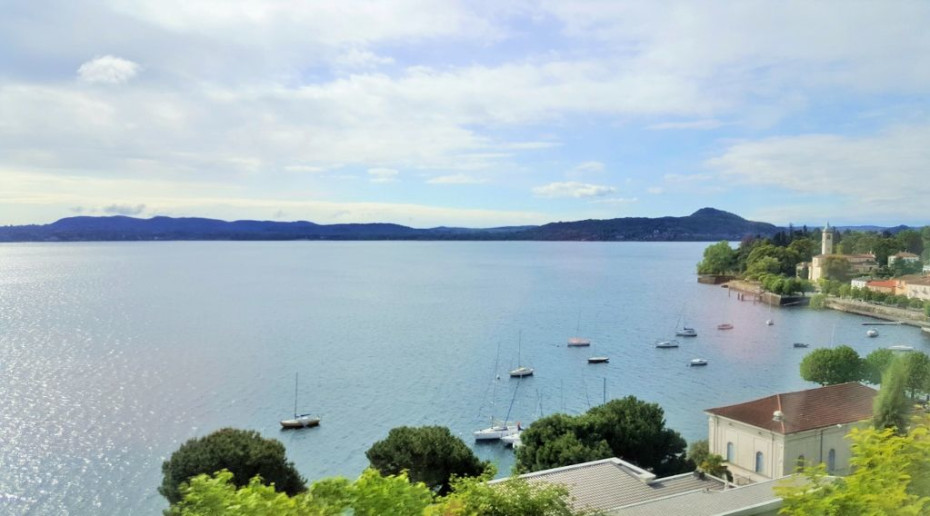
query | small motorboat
(667,344)
(769,322)
(725,326)
(598,360)
(577,342)
(800,344)
(872,333)
(695,362)
(686,332)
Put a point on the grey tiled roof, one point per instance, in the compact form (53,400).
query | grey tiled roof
(709,503)
(612,483)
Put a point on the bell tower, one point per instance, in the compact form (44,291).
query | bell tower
(826,240)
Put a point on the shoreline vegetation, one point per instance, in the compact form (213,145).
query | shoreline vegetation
(864,273)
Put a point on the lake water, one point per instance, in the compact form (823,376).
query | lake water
(113,354)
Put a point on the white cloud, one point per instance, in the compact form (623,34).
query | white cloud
(108,70)
(455,179)
(872,174)
(572,189)
(360,59)
(707,123)
(124,209)
(312,169)
(382,175)
(655,190)
(616,200)
(588,167)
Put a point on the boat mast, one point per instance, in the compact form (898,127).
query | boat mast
(295,395)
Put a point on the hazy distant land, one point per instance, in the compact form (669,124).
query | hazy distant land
(706,224)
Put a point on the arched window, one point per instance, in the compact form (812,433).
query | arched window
(800,462)
(831,460)
(729,452)
(759,462)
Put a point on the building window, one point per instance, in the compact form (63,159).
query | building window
(831,460)
(800,463)
(729,452)
(759,462)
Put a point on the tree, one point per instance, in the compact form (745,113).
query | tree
(917,373)
(429,454)
(890,476)
(627,428)
(370,495)
(244,453)
(891,406)
(836,268)
(875,364)
(513,497)
(719,258)
(831,366)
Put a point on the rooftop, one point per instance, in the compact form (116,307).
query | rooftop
(609,484)
(883,283)
(710,503)
(804,410)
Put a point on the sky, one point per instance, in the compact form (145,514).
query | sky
(474,113)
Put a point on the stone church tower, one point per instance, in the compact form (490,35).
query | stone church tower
(826,240)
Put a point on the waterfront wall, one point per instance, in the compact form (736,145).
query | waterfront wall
(890,313)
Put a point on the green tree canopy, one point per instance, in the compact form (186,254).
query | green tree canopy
(890,476)
(370,495)
(429,454)
(891,406)
(627,428)
(514,496)
(719,258)
(244,453)
(917,373)
(828,366)
(875,364)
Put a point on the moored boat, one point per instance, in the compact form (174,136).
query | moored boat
(725,326)
(598,360)
(800,344)
(667,344)
(577,342)
(697,362)
(872,333)
(902,348)
(299,420)
(686,332)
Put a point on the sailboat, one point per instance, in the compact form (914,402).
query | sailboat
(598,359)
(301,420)
(499,429)
(578,342)
(521,370)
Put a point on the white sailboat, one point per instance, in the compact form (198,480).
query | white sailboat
(521,370)
(299,420)
(499,429)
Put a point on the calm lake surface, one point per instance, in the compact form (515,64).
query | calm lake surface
(113,354)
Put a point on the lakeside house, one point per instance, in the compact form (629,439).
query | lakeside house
(768,438)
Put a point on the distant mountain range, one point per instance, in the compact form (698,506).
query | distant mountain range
(706,224)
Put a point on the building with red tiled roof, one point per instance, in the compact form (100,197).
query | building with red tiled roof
(767,438)
(884,286)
